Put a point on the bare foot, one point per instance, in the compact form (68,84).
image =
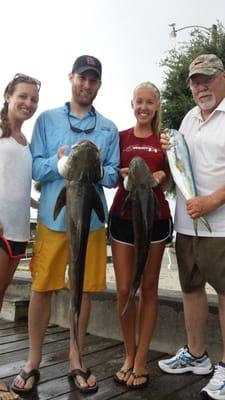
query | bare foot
(24,382)
(6,393)
(138,378)
(83,382)
(123,374)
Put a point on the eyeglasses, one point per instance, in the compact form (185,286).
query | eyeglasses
(203,82)
(77,130)
(29,79)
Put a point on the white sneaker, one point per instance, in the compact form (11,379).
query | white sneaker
(216,386)
(183,362)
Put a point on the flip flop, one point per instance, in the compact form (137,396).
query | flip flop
(141,385)
(5,389)
(123,371)
(72,375)
(25,376)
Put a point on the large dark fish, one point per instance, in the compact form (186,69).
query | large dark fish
(141,198)
(80,197)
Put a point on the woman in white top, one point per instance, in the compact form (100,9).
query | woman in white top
(20,103)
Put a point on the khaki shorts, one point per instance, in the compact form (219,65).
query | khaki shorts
(201,260)
(49,264)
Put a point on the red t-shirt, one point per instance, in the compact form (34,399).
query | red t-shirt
(150,150)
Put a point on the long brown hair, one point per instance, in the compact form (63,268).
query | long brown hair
(5,129)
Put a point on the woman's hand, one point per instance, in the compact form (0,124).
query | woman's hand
(124,172)
(165,139)
(160,177)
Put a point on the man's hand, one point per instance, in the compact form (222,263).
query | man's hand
(61,151)
(199,206)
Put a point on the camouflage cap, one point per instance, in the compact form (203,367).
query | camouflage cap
(206,64)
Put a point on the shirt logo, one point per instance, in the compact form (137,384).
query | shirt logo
(149,149)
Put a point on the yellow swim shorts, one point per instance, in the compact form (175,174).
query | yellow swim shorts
(49,264)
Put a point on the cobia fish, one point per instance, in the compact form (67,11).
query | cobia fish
(142,201)
(80,197)
(181,170)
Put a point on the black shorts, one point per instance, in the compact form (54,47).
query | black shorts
(13,249)
(122,231)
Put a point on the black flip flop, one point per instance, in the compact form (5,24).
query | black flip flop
(123,371)
(25,376)
(141,385)
(72,375)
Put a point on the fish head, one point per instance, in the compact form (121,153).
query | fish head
(139,174)
(84,162)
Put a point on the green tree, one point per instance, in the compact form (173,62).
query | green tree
(176,95)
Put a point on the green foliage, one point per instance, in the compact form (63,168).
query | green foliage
(176,96)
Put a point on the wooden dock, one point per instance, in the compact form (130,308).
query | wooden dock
(103,356)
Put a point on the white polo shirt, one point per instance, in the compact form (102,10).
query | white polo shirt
(206,143)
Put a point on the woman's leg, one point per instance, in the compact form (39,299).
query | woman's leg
(123,260)
(38,319)
(148,308)
(7,270)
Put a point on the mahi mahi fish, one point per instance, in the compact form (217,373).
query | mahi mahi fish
(181,170)
(141,199)
(80,197)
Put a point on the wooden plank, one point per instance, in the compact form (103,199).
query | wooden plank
(4,324)
(103,356)
(23,343)
(21,333)
(165,387)
(53,352)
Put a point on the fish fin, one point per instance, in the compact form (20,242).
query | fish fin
(60,203)
(205,222)
(97,205)
(126,204)
(195,223)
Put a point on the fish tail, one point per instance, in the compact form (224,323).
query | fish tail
(195,223)
(74,320)
(130,298)
(205,222)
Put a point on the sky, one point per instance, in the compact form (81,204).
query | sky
(130,37)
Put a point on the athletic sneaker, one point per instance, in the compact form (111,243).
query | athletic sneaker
(183,362)
(216,386)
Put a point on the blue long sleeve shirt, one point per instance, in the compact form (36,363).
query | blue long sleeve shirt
(52,131)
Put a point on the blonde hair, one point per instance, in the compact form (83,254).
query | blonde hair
(155,125)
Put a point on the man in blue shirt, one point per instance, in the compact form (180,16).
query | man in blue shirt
(55,132)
